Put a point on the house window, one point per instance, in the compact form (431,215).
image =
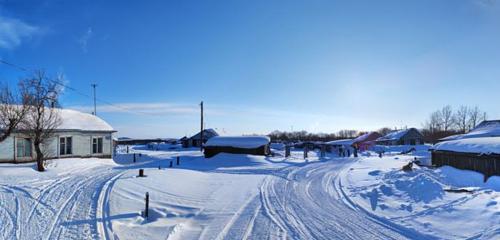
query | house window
(97,145)
(65,146)
(23,146)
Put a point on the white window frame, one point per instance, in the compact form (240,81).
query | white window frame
(21,143)
(63,146)
(98,147)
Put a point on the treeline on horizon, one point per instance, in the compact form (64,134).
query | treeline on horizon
(440,124)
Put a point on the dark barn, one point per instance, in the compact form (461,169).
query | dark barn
(252,145)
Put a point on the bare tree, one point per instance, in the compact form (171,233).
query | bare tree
(434,124)
(462,119)
(447,118)
(12,112)
(476,116)
(347,133)
(384,131)
(42,119)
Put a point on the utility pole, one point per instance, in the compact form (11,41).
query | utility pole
(95,106)
(201,128)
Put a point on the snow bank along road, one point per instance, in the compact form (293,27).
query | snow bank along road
(307,202)
(302,201)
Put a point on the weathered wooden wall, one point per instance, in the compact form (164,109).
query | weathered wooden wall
(488,165)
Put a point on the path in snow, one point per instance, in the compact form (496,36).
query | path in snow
(64,208)
(307,203)
(303,201)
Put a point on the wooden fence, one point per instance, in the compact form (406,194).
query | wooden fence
(487,164)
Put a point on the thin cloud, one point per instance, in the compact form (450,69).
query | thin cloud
(13,32)
(158,109)
(85,38)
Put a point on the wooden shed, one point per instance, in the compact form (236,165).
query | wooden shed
(476,154)
(253,145)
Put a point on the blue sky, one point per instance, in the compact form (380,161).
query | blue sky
(319,66)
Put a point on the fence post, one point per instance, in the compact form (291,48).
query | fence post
(178,160)
(146,210)
(170,163)
(141,172)
(287,151)
(305,152)
(134,157)
(127,148)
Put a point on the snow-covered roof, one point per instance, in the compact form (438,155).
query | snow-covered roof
(484,129)
(396,135)
(238,142)
(341,142)
(365,137)
(75,120)
(471,145)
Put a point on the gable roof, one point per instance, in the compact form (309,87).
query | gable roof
(370,136)
(206,133)
(396,135)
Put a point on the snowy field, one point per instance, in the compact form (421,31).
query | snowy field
(245,197)
(446,203)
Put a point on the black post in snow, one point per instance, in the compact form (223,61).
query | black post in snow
(178,160)
(201,128)
(146,210)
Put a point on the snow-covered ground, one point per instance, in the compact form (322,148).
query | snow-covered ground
(244,197)
(422,200)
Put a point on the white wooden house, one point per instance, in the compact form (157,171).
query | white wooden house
(79,135)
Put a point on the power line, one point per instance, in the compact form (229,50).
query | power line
(76,90)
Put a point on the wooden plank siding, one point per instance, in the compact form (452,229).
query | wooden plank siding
(487,164)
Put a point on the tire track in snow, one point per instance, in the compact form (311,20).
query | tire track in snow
(12,232)
(313,206)
(78,215)
(104,228)
(65,208)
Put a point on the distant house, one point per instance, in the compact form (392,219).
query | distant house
(478,150)
(79,135)
(366,141)
(253,145)
(341,142)
(334,146)
(410,136)
(196,141)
